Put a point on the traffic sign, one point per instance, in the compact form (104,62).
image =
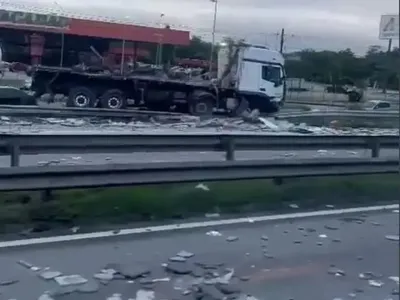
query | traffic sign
(389,27)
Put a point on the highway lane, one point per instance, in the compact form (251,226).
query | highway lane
(138,157)
(318,258)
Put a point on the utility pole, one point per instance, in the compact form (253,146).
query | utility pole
(387,66)
(282,40)
(210,68)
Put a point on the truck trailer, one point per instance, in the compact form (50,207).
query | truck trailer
(248,77)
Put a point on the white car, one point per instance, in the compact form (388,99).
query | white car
(377,105)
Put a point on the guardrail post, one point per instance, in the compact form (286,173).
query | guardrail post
(15,153)
(229,145)
(375,147)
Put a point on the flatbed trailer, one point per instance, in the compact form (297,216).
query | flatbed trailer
(253,78)
(115,91)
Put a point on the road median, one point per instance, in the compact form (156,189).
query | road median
(126,205)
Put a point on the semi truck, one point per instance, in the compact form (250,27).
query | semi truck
(248,77)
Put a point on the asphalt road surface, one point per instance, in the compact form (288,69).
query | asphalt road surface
(342,257)
(138,157)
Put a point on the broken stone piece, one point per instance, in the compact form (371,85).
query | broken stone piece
(213,233)
(180,268)
(209,264)
(8,282)
(375,283)
(45,296)
(144,295)
(211,292)
(146,281)
(177,259)
(70,280)
(228,289)
(197,272)
(331,227)
(104,276)
(63,290)
(25,264)
(392,237)
(49,274)
(232,238)
(395,279)
(369,275)
(335,271)
(89,287)
(115,297)
(264,238)
(185,254)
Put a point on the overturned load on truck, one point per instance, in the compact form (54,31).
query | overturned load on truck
(249,77)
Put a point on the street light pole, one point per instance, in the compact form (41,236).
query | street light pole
(125,32)
(213,35)
(159,44)
(62,37)
(123,56)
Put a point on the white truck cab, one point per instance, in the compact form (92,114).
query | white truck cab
(258,75)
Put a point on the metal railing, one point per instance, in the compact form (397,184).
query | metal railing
(16,145)
(64,177)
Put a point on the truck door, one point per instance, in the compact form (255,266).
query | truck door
(271,81)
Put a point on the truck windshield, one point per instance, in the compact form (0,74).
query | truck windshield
(272,74)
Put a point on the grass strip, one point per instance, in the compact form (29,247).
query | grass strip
(162,202)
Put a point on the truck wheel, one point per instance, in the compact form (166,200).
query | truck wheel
(113,99)
(81,97)
(202,106)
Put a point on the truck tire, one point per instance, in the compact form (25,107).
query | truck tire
(202,104)
(113,99)
(81,97)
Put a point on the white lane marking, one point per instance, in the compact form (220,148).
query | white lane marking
(191,225)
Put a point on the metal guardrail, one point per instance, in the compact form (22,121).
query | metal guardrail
(16,145)
(46,178)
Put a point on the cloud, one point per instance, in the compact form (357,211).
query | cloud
(321,24)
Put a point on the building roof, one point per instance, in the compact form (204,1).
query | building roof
(41,22)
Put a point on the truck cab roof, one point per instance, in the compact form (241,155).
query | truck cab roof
(263,54)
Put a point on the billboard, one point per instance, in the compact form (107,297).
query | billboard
(389,27)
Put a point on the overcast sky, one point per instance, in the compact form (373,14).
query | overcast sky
(319,24)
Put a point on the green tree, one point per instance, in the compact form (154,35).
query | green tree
(329,67)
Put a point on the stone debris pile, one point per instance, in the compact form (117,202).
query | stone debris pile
(175,124)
